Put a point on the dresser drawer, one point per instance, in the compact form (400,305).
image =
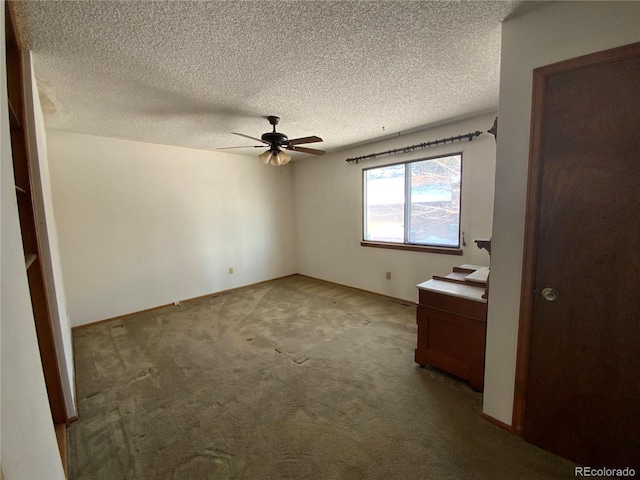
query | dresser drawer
(457,305)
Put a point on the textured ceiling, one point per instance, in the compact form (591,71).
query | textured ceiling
(189,73)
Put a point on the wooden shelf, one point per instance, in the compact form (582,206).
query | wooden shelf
(486,244)
(29,258)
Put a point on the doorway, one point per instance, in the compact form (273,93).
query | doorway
(28,228)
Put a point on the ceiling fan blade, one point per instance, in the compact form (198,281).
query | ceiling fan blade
(313,151)
(298,141)
(245,146)
(252,138)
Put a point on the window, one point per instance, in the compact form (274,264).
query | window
(414,203)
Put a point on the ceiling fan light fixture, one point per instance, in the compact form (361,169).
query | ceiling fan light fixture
(274,157)
(265,157)
(284,158)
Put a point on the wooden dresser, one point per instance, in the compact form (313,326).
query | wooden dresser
(452,321)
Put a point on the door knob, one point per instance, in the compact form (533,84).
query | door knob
(550,294)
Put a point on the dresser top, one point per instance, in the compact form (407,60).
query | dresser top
(454,289)
(480,275)
(472,267)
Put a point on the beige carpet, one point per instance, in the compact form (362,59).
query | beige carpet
(290,379)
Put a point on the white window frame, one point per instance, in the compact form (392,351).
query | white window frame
(406,245)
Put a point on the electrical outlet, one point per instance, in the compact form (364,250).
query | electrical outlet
(230,270)
(388,275)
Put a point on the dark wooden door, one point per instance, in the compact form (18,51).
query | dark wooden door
(583,381)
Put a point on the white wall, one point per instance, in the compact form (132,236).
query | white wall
(554,32)
(28,444)
(142,225)
(328,197)
(48,235)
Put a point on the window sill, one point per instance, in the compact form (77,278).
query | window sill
(413,248)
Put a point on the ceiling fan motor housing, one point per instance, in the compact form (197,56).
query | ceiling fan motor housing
(275,138)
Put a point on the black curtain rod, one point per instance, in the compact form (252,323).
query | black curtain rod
(469,136)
